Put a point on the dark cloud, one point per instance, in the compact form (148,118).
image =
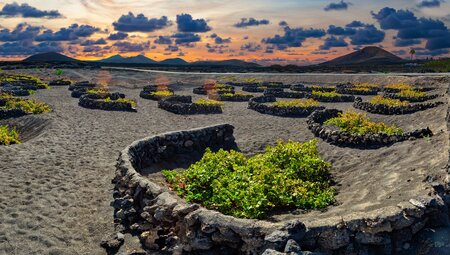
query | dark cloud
(248,22)
(399,52)
(293,37)
(186,38)
(22,31)
(28,48)
(332,42)
(334,30)
(220,49)
(355,24)
(367,35)
(339,6)
(411,28)
(163,40)
(220,40)
(172,48)
(406,42)
(187,24)
(73,32)
(269,50)
(131,47)
(214,35)
(283,23)
(93,42)
(117,36)
(429,4)
(251,47)
(140,23)
(424,52)
(92,48)
(27,11)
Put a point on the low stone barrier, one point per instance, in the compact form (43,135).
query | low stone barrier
(335,136)
(280,93)
(16,91)
(304,88)
(147,95)
(82,84)
(96,101)
(12,113)
(60,82)
(353,91)
(183,105)
(421,89)
(254,89)
(338,99)
(260,105)
(204,90)
(231,98)
(166,222)
(392,110)
(411,99)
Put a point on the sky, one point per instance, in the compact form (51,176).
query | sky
(300,32)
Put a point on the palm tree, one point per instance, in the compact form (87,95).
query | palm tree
(412,52)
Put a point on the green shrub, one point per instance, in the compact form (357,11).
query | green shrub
(203,101)
(358,123)
(399,86)
(8,136)
(388,101)
(411,93)
(366,85)
(303,103)
(121,100)
(288,175)
(28,105)
(162,93)
(326,94)
(59,72)
(96,91)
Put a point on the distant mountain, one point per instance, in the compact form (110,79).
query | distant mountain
(367,55)
(174,61)
(50,57)
(229,62)
(139,59)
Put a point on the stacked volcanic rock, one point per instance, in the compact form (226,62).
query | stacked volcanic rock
(335,136)
(183,105)
(146,92)
(260,105)
(60,82)
(279,92)
(97,101)
(392,110)
(411,99)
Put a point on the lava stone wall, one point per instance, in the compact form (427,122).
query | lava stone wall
(392,110)
(260,105)
(411,99)
(337,137)
(183,105)
(96,101)
(11,113)
(303,88)
(284,94)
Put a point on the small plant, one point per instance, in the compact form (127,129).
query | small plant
(203,101)
(161,93)
(366,85)
(234,94)
(303,103)
(28,105)
(96,91)
(121,100)
(318,87)
(360,89)
(8,136)
(411,93)
(326,94)
(262,87)
(388,101)
(288,175)
(59,72)
(358,123)
(399,86)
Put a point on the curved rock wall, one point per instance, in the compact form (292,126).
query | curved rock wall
(411,99)
(183,105)
(96,101)
(260,105)
(392,110)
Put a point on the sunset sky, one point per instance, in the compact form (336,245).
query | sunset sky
(264,31)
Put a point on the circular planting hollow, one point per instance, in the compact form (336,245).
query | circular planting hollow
(156,95)
(333,135)
(204,90)
(83,85)
(357,91)
(305,88)
(16,91)
(392,110)
(107,102)
(263,105)
(280,93)
(183,105)
(334,98)
(60,82)
(231,97)
(411,99)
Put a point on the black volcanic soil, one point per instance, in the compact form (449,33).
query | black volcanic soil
(56,192)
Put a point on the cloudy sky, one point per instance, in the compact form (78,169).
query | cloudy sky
(265,31)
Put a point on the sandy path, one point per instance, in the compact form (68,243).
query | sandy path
(55,189)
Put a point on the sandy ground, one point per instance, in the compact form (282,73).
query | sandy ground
(55,188)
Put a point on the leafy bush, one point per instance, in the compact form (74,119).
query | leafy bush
(288,175)
(8,136)
(27,105)
(388,101)
(59,72)
(358,89)
(358,123)
(411,93)
(318,87)
(399,86)
(365,85)
(203,101)
(235,94)
(162,93)
(303,103)
(262,87)
(326,94)
(121,100)
(17,78)
(95,91)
